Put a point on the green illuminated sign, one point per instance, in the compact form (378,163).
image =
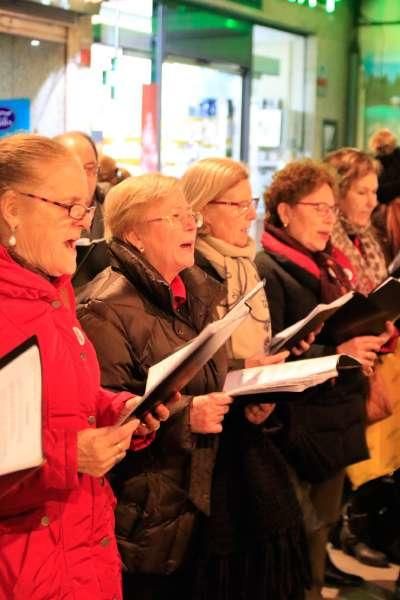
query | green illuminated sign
(330,5)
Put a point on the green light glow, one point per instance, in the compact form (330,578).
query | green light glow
(231,23)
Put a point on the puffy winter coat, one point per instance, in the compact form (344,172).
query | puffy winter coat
(57,527)
(128,313)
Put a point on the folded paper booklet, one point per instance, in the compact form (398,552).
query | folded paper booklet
(20,413)
(294,376)
(349,316)
(176,370)
(365,315)
(291,336)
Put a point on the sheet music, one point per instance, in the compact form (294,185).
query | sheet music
(295,376)
(21,412)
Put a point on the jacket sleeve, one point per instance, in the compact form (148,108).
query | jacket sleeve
(58,472)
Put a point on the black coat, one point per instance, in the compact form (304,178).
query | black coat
(324,426)
(128,314)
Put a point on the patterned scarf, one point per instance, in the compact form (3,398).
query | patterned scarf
(361,247)
(236,267)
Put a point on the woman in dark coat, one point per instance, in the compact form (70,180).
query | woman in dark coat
(325,426)
(255,547)
(148,303)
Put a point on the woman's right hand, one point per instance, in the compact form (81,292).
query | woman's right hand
(207,412)
(100,449)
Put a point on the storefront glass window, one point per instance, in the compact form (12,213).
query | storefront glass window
(32,71)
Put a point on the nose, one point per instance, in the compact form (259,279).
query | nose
(189,222)
(85,222)
(372,199)
(251,213)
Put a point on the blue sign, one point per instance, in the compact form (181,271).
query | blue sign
(14,115)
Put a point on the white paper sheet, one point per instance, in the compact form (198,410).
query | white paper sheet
(21,412)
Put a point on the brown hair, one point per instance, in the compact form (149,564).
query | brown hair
(127,202)
(210,178)
(382,142)
(292,183)
(351,164)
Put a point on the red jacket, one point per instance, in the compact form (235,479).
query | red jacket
(57,527)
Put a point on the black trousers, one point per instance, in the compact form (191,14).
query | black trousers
(137,586)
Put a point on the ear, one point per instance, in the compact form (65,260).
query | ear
(284,211)
(133,238)
(207,219)
(10,209)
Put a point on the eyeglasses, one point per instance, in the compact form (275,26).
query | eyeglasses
(322,208)
(180,219)
(241,207)
(76,211)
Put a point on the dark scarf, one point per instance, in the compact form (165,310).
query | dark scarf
(327,272)
(255,546)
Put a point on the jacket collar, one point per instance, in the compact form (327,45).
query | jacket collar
(200,287)
(17,281)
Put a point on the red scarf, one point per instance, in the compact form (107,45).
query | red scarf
(327,267)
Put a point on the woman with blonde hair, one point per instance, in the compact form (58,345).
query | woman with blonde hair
(147,304)
(255,546)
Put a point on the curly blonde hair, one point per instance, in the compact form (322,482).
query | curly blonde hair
(351,164)
(295,181)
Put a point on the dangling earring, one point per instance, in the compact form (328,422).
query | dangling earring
(141,249)
(285,224)
(12,240)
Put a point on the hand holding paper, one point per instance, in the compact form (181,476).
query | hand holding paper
(294,376)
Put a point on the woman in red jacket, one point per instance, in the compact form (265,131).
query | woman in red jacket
(56,527)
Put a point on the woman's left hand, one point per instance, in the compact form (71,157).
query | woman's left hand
(258,413)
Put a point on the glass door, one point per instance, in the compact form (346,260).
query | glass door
(203,118)
(206,57)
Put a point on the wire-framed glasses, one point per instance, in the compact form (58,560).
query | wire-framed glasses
(241,206)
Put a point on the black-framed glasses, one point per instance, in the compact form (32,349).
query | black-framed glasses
(241,206)
(76,211)
(180,218)
(322,208)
